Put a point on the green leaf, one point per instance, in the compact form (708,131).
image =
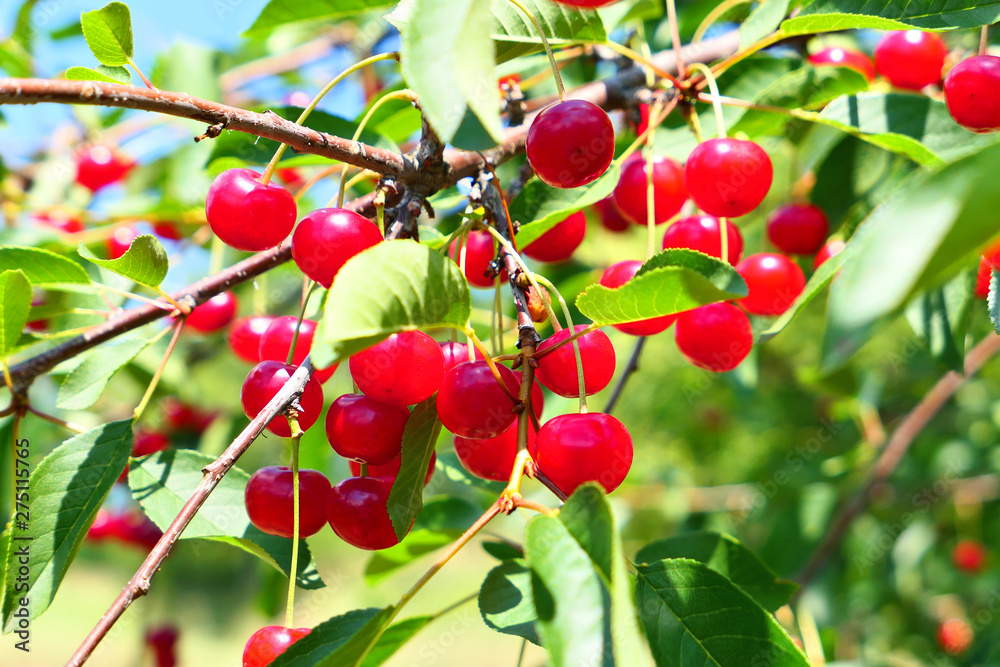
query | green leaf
(502,551)
(66,490)
(108,32)
(15,305)
(940,317)
(145,261)
(670,282)
(728,557)
(391,287)
(393,639)
(694,615)
(15,59)
(164,481)
(764,20)
(450,40)
(279,12)
(102,73)
(817,282)
(831,15)
(506,603)
(916,240)
(541,207)
(406,498)
(515,35)
(42,267)
(913,125)
(85,383)
(24,30)
(992,301)
(337,641)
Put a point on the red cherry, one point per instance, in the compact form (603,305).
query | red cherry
(587,4)
(327,238)
(148,442)
(245,334)
(268,643)
(509,80)
(836,56)
(104,525)
(291,176)
(557,370)
(363,429)
(774,281)
(972,92)
(99,166)
(910,58)
(404,369)
(134,527)
(702,233)
(669,193)
(457,353)
(954,636)
(214,314)
(969,556)
(246,214)
(121,241)
(798,229)
(391,469)
(491,458)
(277,339)
(983,275)
(471,402)
(570,143)
(60,221)
(167,230)
(716,337)
(610,216)
(182,417)
(574,449)
(728,177)
(558,244)
(617,275)
(163,640)
(830,249)
(270,503)
(356,510)
(479,254)
(264,381)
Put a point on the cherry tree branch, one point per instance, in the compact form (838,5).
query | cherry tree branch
(139,584)
(895,449)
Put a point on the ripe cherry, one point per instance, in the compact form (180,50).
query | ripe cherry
(728,177)
(167,230)
(570,143)
(265,645)
(471,402)
(245,334)
(969,556)
(246,214)
(99,166)
(364,429)
(669,193)
(798,229)
(587,4)
(557,369)
(163,641)
(954,636)
(103,526)
(972,92)
(276,341)
(120,241)
(702,233)
(830,249)
(491,458)
(264,381)
(180,416)
(479,254)
(577,448)
(774,282)
(149,442)
(356,510)
(60,221)
(617,275)
(135,528)
(325,239)
(983,275)
(391,469)
(558,244)
(269,501)
(291,176)
(404,369)
(457,353)
(716,337)
(214,314)
(610,216)
(836,56)
(910,58)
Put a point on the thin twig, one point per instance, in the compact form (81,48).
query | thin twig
(895,449)
(630,368)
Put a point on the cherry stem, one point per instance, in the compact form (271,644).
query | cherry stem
(178,327)
(573,341)
(984,40)
(548,49)
(293,569)
(308,287)
(641,60)
(562,57)
(169,307)
(720,121)
(513,489)
(653,124)
(406,94)
(313,180)
(142,76)
(169,299)
(743,54)
(714,16)
(535,507)
(69,426)
(675,38)
(471,333)
(583,332)
(273,164)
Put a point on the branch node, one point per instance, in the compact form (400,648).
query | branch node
(213,131)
